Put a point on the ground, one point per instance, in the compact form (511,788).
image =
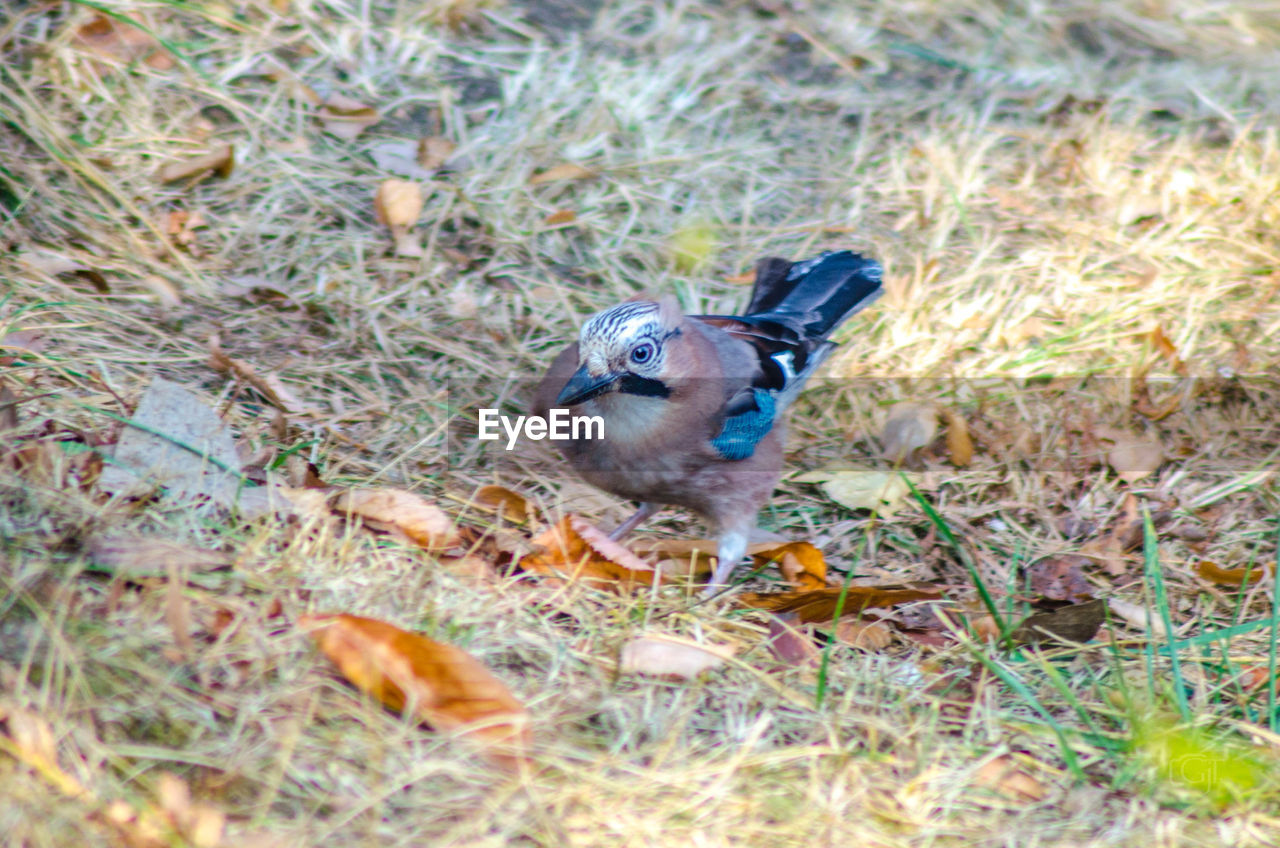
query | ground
(1076,207)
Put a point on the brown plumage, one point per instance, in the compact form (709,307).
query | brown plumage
(692,405)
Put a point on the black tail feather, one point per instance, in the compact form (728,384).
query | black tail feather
(813,297)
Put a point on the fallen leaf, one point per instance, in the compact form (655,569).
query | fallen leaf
(883,492)
(562,172)
(1215,573)
(151,556)
(671,656)
(397,204)
(560,216)
(178,443)
(959,442)
(819,605)
(789,644)
(1135,457)
(434,151)
(346,117)
(268,385)
(1008,779)
(221,161)
(470,568)
(869,635)
(908,429)
(121,39)
(743,279)
(444,685)
(398,512)
(579,551)
(512,505)
(1072,623)
(802,565)
(1061,578)
(1139,618)
(1166,348)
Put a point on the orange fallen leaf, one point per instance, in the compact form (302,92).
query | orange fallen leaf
(221,161)
(562,172)
(1008,779)
(819,605)
(1215,573)
(399,512)
(513,505)
(397,205)
(745,278)
(869,635)
(560,216)
(444,685)
(1166,348)
(577,550)
(959,442)
(802,565)
(671,656)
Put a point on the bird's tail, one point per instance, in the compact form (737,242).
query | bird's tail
(815,296)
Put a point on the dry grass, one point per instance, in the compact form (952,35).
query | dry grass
(1045,184)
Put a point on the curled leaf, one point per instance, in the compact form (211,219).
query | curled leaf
(671,656)
(444,685)
(579,551)
(909,428)
(221,161)
(802,565)
(398,512)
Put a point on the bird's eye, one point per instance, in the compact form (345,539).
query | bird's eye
(642,353)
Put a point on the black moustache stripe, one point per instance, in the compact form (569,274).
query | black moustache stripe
(633,384)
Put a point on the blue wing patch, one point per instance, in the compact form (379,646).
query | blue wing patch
(742,432)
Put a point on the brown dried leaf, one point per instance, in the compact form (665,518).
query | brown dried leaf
(434,151)
(1166,348)
(577,550)
(119,40)
(959,442)
(908,428)
(446,687)
(1072,623)
(346,117)
(819,605)
(398,511)
(512,505)
(869,635)
(789,644)
(802,565)
(561,172)
(671,656)
(221,161)
(1061,578)
(560,216)
(269,385)
(1008,779)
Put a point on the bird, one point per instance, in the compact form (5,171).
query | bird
(692,405)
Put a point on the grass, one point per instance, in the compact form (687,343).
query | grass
(1045,186)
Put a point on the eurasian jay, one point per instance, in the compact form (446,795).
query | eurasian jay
(692,405)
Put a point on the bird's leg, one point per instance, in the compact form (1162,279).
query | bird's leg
(646,509)
(732,548)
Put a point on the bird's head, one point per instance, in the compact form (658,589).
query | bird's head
(624,349)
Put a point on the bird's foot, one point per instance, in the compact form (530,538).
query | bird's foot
(645,510)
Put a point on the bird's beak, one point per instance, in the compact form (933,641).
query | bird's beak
(583,387)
